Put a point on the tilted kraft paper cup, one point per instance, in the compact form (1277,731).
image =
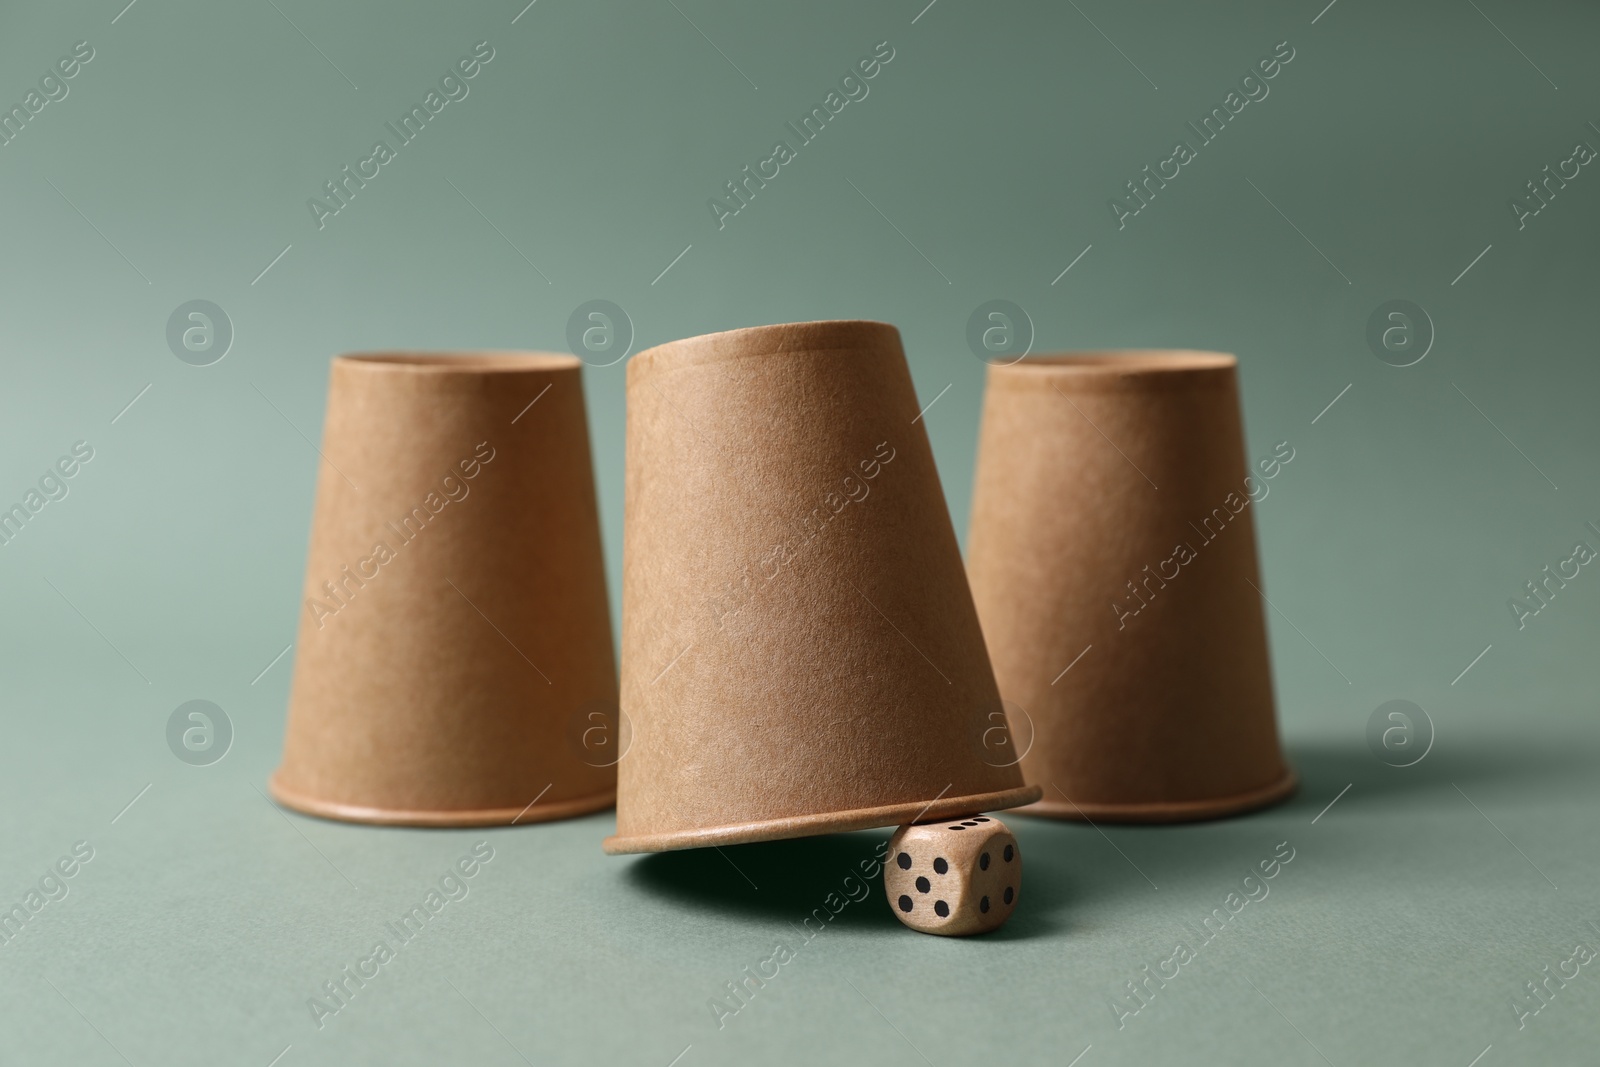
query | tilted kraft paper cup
(799,647)
(1113,561)
(454,629)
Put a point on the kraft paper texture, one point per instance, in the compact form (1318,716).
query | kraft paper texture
(1113,562)
(454,634)
(800,650)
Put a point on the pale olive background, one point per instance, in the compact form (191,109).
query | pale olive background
(179,166)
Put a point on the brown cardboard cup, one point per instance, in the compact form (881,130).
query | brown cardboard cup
(455,628)
(1113,562)
(799,647)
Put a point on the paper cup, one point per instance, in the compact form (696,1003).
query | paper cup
(800,651)
(1112,556)
(454,628)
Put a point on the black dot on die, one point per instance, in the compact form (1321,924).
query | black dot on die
(970,822)
(981,818)
(922,885)
(983,862)
(905,903)
(1008,853)
(983,905)
(955,828)
(940,866)
(904,860)
(1007,897)
(941,908)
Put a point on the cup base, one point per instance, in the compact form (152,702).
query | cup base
(342,812)
(827,823)
(1167,811)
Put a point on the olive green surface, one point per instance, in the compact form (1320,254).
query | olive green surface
(981,164)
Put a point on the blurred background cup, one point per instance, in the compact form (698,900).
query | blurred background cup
(455,623)
(1112,557)
(800,651)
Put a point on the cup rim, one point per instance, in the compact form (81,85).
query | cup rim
(773,339)
(457,361)
(1121,362)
